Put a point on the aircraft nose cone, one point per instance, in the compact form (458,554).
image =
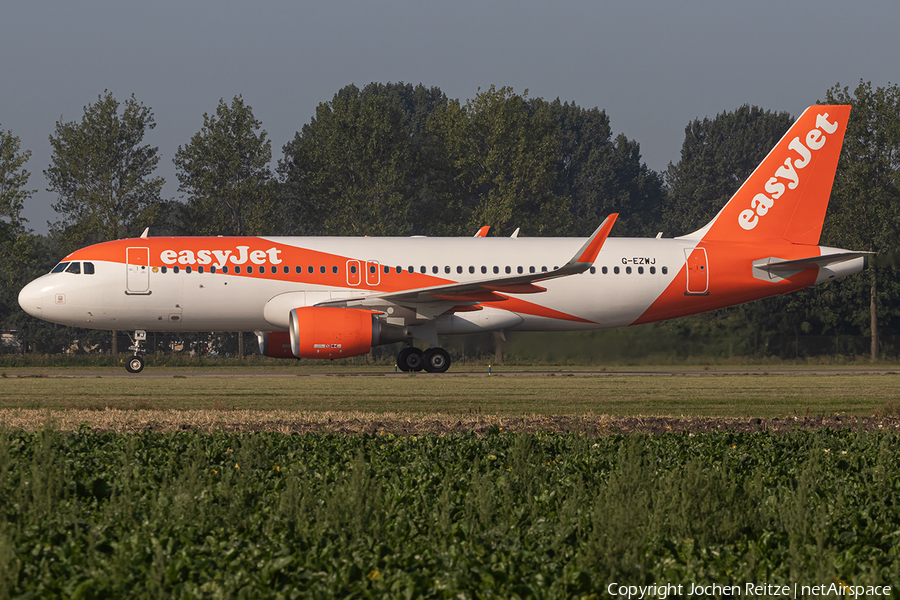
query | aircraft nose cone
(30,299)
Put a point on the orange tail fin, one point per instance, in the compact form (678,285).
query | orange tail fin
(786,197)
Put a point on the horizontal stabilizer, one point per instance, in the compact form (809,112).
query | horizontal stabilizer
(776,269)
(812,261)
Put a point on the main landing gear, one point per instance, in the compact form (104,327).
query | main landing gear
(433,360)
(135,364)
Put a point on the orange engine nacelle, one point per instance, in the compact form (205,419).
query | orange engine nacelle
(325,332)
(276,344)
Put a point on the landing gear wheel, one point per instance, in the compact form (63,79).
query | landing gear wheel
(437,360)
(135,364)
(410,359)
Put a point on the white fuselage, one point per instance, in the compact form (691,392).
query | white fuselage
(627,279)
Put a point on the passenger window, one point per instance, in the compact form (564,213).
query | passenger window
(640,270)
(593,270)
(287,269)
(237,270)
(200,269)
(187,269)
(604,270)
(164,269)
(423,269)
(472,270)
(531,269)
(334,270)
(322,269)
(496,270)
(212,269)
(275,269)
(508,270)
(484,270)
(249,269)
(74,267)
(434,269)
(88,268)
(60,267)
(298,269)
(176,269)
(353,269)
(459,270)
(665,270)
(653,270)
(310,269)
(628,270)
(520,270)
(387,269)
(543,269)
(225,269)
(447,269)
(616,270)
(399,270)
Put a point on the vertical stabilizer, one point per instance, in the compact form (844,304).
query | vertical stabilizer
(786,197)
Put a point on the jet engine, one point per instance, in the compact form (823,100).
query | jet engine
(276,344)
(326,332)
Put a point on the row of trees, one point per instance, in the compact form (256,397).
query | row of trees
(398,159)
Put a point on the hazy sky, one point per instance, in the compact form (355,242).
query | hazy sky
(653,66)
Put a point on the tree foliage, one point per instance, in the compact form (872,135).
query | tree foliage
(13,179)
(224,170)
(14,237)
(602,174)
(353,170)
(716,158)
(103,173)
(501,151)
(397,159)
(864,212)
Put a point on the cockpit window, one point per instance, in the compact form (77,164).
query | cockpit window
(88,268)
(60,267)
(74,267)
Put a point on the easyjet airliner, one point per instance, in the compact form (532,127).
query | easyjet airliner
(334,297)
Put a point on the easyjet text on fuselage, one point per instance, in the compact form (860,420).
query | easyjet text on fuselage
(238,256)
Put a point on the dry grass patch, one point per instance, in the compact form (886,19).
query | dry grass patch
(355,422)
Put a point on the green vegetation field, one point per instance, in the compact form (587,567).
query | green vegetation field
(266,515)
(192,486)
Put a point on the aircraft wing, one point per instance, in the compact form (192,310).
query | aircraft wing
(445,297)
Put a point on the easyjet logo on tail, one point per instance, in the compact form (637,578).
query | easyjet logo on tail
(789,173)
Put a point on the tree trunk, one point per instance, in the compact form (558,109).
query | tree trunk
(498,347)
(240,344)
(873,317)
(114,348)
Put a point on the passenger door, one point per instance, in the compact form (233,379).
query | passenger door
(697,271)
(137,271)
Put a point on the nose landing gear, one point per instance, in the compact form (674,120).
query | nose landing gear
(135,364)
